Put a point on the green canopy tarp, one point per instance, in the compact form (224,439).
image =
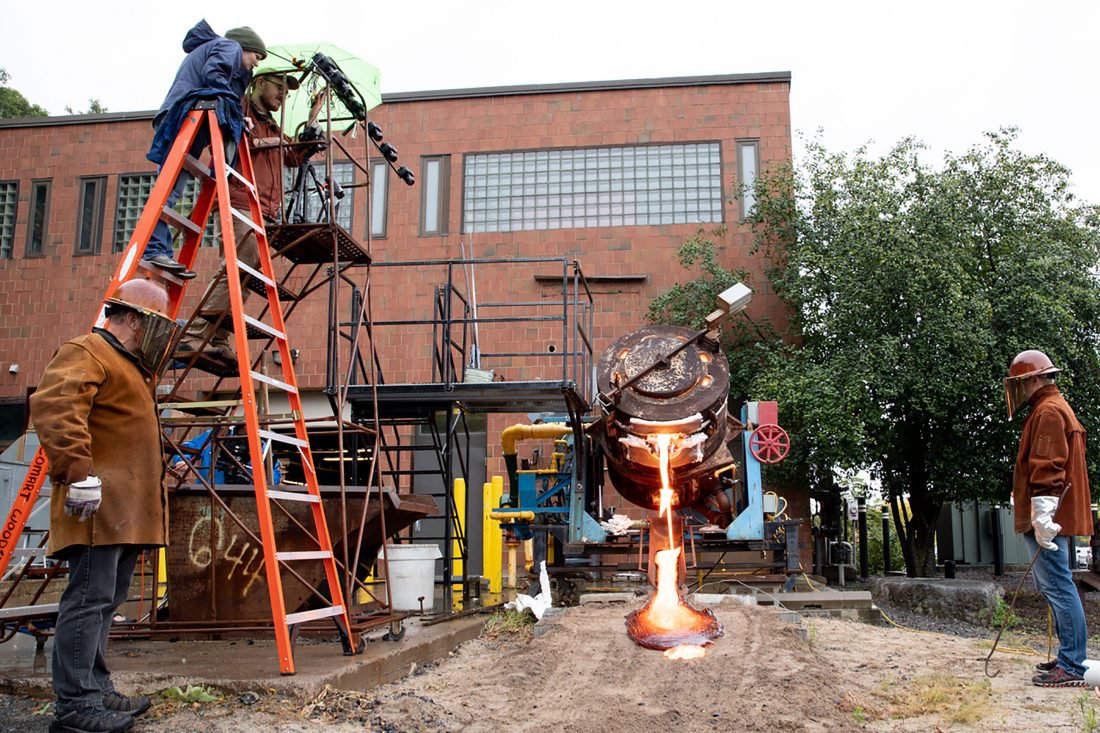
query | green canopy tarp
(293,58)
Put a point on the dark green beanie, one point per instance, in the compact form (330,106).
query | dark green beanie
(249,40)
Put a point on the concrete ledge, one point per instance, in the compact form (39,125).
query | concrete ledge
(970,600)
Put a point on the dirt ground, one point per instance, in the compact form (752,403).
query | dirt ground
(579,672)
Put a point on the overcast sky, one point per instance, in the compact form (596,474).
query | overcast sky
(862,71)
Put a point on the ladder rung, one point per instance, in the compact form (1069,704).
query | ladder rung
(256,274)
(195,167)
(303,616)
(269,330)
(293,496)
(246,219)
(28,611)
(181,221)
(274,382)
(304,555)
(244,181)
(280,438)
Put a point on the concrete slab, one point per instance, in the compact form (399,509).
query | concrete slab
(239,665)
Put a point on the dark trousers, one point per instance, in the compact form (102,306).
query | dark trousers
(99,580)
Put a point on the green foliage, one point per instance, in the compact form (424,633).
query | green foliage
(95,107)
(689,302)
(1003,615)
(859,715)
(1089,720)
(191,694)
(911,288)
(509,623)
(14,104)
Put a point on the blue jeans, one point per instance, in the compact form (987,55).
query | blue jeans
(99,581)
(1054,580)
(160,242)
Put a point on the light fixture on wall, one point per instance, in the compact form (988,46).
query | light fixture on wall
(277,356)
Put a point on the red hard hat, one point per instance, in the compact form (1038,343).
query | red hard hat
(1031,363)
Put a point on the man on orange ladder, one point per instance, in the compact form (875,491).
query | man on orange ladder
(218,69)
(95,413)
(264,99)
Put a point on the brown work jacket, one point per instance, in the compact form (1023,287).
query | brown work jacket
(265,164)
(1052,452)
(95,413)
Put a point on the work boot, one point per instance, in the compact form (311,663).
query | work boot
(1058,677)
(222,348)
(117,702)
(167,264)
(1047,665)
(91,720)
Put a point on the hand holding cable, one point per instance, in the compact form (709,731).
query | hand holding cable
(1042,521)
(84,498)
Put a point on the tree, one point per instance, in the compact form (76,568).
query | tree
(95,107)
(911,289)
(688,303)
(14,104)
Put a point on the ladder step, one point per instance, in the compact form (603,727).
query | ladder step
(293,496)
(226,323)
(304,555)
(195,167)
(247,220)
(269,330)
(280,438)
(41,609)
(203,361)
(157,273)
(243,181)
(312,244)
(256,274)
(303,616)
(170,216)
(274,383)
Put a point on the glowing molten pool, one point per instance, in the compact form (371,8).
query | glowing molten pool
(667,621)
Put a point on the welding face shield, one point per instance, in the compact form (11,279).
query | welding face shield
(1026,365)
(155,333)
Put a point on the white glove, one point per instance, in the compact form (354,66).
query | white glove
(84,498)
(1042,520)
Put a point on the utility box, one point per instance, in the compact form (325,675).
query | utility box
(965,534)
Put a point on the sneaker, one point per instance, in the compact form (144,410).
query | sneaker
(118,703)
(1047,666)
(91,720)
(1059,677)
(167,264)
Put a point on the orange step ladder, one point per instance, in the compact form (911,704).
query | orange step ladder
(215,189)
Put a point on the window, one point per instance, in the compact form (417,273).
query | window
(379,198)
(9,200)
(435,172)
(89,228)
(748,163)
(306,204)
(39,218)
(133,192)
(593,187)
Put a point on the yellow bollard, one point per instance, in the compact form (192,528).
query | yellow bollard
(460,509)
(491,538)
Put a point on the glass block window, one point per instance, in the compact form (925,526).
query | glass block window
(593,187)
(307,205)
(133,192)
(9,200)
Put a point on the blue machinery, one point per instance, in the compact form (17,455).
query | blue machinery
(658,380)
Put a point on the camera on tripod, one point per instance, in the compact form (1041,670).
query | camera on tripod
(312,134)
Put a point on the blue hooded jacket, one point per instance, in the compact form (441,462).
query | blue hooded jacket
(213,69)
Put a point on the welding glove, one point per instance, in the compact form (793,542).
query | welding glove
(84,498)
(1042,520)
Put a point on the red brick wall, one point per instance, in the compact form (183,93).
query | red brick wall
(47,300)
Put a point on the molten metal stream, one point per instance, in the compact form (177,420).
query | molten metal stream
(667,621)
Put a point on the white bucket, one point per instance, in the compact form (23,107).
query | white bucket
(411,575)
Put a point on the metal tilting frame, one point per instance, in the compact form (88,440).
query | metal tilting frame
(440,407)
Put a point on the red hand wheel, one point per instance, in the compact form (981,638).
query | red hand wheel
(769,444)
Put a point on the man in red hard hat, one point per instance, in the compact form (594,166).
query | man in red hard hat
(1050,493)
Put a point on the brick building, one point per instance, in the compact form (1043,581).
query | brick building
(615,175)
